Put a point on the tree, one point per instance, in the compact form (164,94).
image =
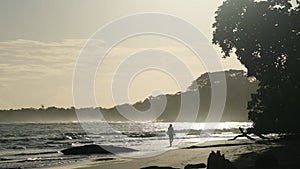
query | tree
(265,36)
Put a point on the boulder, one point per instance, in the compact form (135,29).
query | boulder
(95,149)
(218,161)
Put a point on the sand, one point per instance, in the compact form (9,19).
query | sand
(242,153)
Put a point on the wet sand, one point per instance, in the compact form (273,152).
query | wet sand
(242,153)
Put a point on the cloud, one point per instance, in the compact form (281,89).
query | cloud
(30,59)
(34,72)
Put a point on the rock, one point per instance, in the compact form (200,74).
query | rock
(95,149)
(193,166)
(19,147)
(266,161)
(218,161)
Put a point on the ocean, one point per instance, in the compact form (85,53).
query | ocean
(38,145)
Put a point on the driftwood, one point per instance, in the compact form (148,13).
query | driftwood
(246,134)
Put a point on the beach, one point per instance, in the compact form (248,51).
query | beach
(242,153)
(42,146)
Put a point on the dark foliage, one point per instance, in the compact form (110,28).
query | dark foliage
(265,36)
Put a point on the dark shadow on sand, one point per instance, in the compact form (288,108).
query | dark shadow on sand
(218,145)
(105,159)
(284,156)
(157,167)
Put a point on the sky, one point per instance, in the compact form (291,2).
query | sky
(40,42)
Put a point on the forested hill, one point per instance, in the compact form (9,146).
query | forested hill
(239,89)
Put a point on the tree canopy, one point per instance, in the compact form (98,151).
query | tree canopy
(265,36)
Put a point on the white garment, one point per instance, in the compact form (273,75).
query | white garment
(170,131)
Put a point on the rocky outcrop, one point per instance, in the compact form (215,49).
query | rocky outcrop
(218,161)
(95,149)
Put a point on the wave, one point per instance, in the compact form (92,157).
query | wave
(142,134)
(161,133)
(38,153)
(5,159)
(38,145)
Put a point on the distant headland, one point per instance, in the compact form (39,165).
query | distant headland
(239,89)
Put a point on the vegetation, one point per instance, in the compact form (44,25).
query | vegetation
(235,107)
(265,36)
(234,110)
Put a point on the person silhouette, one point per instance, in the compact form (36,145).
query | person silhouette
(171,134)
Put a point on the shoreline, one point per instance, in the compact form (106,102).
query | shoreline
(188,153)
(275,153)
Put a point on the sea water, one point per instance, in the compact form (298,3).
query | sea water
(38,145)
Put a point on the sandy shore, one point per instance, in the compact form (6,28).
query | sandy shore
(241,152)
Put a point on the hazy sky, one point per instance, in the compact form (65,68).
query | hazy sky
(40,41)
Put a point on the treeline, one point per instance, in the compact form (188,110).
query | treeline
(239,89)
(49,114)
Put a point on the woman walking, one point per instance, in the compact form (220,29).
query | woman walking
(171,134)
